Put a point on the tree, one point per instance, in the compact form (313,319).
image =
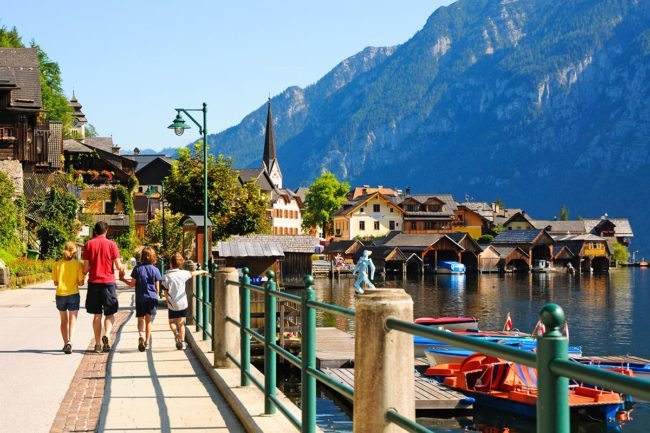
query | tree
(485,239)
(620,253)
(10,216)
(324,197)
(58,210)
(173,233)
(500,203)
(233,208)
(564,213)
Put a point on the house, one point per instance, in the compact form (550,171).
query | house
(520,220)
(586,252)
(613,229)
(285,205)
(151,170)
(427,213)
(535,244)
(368,216)
(426,250)
(557,227)
(471,221)
(297,250)
(386,259)
(489,259)
(346,248)
(24,128)
(367,189)
(257,256)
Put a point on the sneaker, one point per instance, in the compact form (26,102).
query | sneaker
(98,348)
(141,345)
(67,349)
(358,290)
(106,347)
(179,345)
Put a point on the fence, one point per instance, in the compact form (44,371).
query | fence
(383,400)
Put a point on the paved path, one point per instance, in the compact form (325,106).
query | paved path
(34,373)
(162,389)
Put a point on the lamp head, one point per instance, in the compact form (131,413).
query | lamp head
(178,125)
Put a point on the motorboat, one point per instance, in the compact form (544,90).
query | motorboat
(498,384)
(451,323)
(449,267)
(543,266)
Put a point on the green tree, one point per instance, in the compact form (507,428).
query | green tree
(173,233)
(59,223)
(10,215)
(485,239)
(500,203)
(620,253)
(564,213)
(233,208)
(324,197)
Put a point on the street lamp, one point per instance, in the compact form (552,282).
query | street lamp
(179,126)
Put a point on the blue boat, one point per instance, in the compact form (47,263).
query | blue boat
(449,267)
(451,354)
(422,344)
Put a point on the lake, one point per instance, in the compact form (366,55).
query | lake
(607,315)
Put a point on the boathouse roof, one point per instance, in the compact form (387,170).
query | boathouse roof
(290,243)
(245,248)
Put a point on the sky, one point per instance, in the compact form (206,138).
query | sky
(131,62)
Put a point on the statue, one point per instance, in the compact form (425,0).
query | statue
(361,268)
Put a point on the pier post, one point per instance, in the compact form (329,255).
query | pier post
(384,361)
(226,338)
(190,290)
(553,390)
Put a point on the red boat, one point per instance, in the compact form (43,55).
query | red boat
(451,323)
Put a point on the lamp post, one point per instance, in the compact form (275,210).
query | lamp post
(179,126)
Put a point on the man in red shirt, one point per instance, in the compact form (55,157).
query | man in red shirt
(101,256)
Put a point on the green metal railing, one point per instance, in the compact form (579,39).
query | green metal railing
(551,360)
(204,299)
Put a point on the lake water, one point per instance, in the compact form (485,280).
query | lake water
(607,315)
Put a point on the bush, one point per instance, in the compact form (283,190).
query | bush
(10,216)
(53,235)
(485,239)
(620,253)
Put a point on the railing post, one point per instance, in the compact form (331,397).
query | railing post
(245,321)
(269,338)
(383,361)
(553,390)
(308,349)
(225,338)
(199,299)
(190,290)
(207,293)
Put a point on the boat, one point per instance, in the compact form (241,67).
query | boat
(449,354)
(498,384)
(451,323)
(543,266)
(449,267)
(639,369)
(422,344)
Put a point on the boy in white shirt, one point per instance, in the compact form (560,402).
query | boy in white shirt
(174,289)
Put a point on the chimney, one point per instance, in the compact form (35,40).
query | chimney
(116,149)
(136,151)
(495,208)
(408,190)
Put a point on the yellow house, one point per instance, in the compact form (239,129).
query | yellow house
(372,215)
(519,221)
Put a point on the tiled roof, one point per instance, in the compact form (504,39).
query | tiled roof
(448,206)
(104,143)
(364,190)
(414,240)
(246,248)
(289,243)
(112,220)
(302,193)
(196,219)
(72,145)
(622,225)
(23,62)
(570,227)
(506,251)
(250,174)
(516,237)
(144,160)
(381,252)
(340,246)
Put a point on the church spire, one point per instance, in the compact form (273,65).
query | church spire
(270,160)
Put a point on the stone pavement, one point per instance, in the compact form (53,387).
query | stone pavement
(162,389)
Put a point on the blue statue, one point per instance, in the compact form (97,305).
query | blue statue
(364,263)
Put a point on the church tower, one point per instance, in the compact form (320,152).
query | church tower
(79,118)
(270,160)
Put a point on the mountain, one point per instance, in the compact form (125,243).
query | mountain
(536,102)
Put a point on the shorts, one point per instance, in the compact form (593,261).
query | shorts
(68,303)
(145,306)
(101,297)
(177,314)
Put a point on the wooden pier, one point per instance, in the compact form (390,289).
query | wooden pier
(334,348)
(429,394)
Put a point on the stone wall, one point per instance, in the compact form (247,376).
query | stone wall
(14,169)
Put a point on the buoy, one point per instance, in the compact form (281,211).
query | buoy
(622,415)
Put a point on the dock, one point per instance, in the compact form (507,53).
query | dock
(334,348)
(429,394)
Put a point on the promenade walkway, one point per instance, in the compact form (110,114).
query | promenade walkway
(44,390)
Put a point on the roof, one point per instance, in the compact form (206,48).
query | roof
(570,226)
(520,215)
(421,242)
(21,70)
(289,243)
(144,160)
(365,190)
(382,252)
(250,174)
(112,220)
(270,155)
(505,251)
(449,206)
(103,143)
(516,237)
(72,145)
(245,248)
(622,225)
(196,220)
(140,203)
(341,246)
(302,193)
(353,205)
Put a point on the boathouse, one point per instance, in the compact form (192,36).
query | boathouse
(430,248)
(347,249)
(489,259)
(471,250)
(586,253)
(536,244)
(387,259)
(258,257)
(512,259)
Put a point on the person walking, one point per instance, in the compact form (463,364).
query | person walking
(68,275)
(101,258)
(145,277)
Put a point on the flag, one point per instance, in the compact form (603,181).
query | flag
(508,325)
(565,329)
(540,328)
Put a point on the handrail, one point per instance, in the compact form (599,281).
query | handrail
(551,360)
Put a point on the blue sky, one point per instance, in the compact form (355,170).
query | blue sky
(131,62)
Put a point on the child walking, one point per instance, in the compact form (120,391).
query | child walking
(174,289)
(145,277)
(68,275)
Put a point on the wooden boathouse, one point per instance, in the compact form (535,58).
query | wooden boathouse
(535,244)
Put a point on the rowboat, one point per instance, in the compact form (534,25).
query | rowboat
(499,384)
(639,369)
(448,354)
(422,344)
(451,323)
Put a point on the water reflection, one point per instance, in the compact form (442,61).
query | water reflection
(608,315)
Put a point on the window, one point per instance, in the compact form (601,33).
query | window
(391,224)
(411,207)
(361,210)
(434,208)
(376,208)
(376,225)
(7,133)
(414,225)
(391,209)
(429,225)
(461,218)
(362,225)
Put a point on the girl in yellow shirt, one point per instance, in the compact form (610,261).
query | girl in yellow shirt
(68,275)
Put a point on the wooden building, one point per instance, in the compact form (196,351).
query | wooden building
(386,259)
(193,235)
(536,244)
(489,259)
(512,258)
(430,249)
(368,216)
(258,257)
(428,213)
(586,253)
(347,249)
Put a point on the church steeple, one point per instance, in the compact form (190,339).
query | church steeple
(270,160)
